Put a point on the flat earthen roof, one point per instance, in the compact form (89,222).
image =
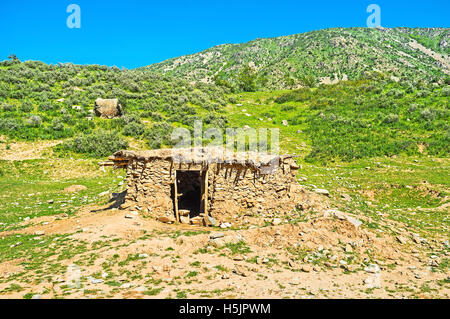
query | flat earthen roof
(204,155)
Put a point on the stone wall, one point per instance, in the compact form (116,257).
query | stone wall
(232,188)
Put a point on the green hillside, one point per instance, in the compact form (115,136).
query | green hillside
(371,117)
(319,56)
(40,101)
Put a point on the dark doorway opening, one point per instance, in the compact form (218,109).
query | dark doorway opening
(189,191)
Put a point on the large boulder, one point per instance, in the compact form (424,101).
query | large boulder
(107,108)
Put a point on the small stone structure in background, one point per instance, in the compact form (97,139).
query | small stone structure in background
(107,108)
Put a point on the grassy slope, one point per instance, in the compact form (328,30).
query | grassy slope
(34,188)
(39,101)
(352,120)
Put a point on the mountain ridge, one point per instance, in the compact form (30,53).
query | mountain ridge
(326,55)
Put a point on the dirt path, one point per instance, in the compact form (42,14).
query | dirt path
(19,151)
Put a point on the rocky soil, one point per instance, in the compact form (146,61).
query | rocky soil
(111,253)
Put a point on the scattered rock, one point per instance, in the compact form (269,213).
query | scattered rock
(94,280)
(197,221)
(185,220)
(74,189)
(401,240)
(294,282)
(276,221)
(184,212)
(222,241)
(343,216)
(209,221)
(348,248)
(125,285)
(140,289)
(373,281)
(321,191)
(240,270)
(216,235)
(373,269)
(16,244)
(169,219)
(306,268)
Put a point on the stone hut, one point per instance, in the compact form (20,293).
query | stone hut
(203,185)
(107,108)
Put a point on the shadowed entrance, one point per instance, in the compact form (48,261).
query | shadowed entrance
(189,191)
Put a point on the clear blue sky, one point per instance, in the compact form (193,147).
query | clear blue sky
(135,33)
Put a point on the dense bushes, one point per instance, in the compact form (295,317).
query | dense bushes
(344,125)
(8,125)
(97,144)
(159,134)
(133,129)
(40,101)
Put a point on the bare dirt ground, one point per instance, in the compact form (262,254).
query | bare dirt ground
(128,256)
(19,151)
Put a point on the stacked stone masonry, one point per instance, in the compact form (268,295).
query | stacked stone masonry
(231,187)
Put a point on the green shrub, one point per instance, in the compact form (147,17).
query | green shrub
(391,118)
(159,134)
(57,125)
(423,93)
(9,125)
(247,79)
(34,121)
(445,91)
(99,143)
(26,107)
(133,129)
(428,114)
(8,107)
(46,107)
